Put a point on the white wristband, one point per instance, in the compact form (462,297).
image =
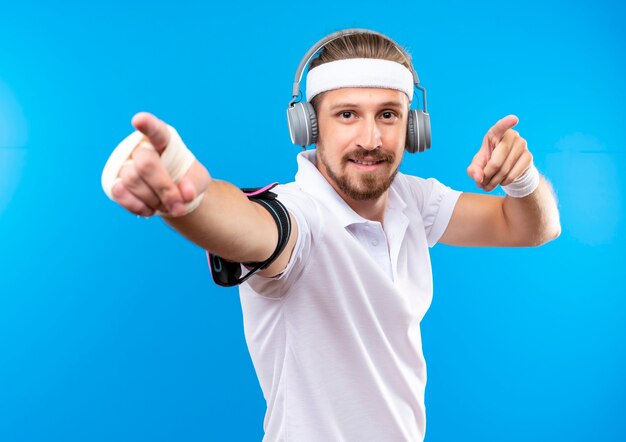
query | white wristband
(523,185)
(176,157)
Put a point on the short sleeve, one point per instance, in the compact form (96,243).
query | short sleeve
(306,215)
(436,204)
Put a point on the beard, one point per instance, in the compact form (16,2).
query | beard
(366,185)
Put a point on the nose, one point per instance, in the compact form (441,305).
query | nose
(369,137)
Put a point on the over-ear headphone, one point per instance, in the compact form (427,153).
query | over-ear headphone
(301,116)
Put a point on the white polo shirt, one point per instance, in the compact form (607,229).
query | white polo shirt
(335,339)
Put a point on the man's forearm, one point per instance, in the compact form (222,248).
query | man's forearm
(229,225)
(534,219)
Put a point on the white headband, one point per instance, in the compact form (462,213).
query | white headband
(359,72)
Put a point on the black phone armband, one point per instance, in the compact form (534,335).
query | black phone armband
(227,273)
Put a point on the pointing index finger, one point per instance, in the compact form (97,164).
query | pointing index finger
(498,130)
(154,129)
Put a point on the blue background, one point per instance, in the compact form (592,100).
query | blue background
(110,326)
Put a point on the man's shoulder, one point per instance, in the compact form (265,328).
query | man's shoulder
(300,203)
(414,183)
(414,180)
(424,193)
(291,192)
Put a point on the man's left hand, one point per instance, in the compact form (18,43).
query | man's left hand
(503,156)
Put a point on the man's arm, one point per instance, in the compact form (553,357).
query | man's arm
(490,221)
(225,223)
(229,225)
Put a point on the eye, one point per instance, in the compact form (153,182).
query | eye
(346,115)
(388,115)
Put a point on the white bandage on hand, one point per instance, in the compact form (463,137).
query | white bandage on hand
(523,185)
(176,157)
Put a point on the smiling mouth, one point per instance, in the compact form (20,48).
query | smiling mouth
(367,163)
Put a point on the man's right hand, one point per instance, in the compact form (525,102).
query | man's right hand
(225,222)
(145,185)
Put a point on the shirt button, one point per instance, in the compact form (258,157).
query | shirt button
(374,242)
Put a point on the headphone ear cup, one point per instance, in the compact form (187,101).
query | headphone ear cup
(418,131)
(313,122)
(412,132)
(427,132)
(302,123)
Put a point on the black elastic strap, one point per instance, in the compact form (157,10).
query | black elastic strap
(227,273)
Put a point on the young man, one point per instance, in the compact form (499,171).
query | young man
(332,324)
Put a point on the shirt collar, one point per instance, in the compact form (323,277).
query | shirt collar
(311,181)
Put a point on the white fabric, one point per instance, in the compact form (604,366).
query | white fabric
(359,72)
(177,160)
(523,185)
(335,339)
